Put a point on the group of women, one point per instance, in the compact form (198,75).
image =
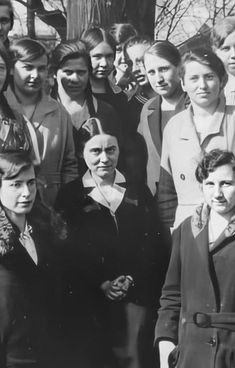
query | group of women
(80,283)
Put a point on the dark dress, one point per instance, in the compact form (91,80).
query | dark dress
(103,247)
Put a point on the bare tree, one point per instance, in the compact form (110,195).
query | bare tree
(54,18)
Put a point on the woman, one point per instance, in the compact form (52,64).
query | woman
(122,32)
(72,66)
(102,48)
(47,117)
(198,301)
(120,251)
(223,44)
(206,124)
(162,62)
(15,133)
(26,251)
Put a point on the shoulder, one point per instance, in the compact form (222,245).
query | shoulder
(173,124)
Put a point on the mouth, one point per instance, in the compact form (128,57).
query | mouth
(25,203)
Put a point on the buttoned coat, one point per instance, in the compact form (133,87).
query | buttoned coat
(199,281)
(181,153)
(25,294)
(54,134)
(151,128)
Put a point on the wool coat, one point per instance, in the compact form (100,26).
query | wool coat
(54,133)
(151,128)
(198,298)
(179,192)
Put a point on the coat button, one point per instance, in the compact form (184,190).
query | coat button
(182,176)
(212,341)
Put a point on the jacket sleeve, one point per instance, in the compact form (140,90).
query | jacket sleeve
(167,196)
(70,165)
(170,301)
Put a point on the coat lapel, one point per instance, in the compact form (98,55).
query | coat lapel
(154,122)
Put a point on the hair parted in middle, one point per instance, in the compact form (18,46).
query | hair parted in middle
(165,50)
(26,49)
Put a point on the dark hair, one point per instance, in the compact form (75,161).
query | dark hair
(221,30)
(13,163)
(205,57)
(95,126)
(165,50)
(6,58)
(95,35)
(211,160)
(11,10)
(136,40)
(67,50)
(121,32)
(26,49)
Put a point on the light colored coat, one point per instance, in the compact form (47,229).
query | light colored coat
(54,133)
(181,152)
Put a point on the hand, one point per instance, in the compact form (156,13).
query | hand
(116,289)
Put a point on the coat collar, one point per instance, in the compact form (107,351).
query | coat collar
(187,125)
(116,191)
(199,222)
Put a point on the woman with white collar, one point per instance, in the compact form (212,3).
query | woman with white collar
(116,249)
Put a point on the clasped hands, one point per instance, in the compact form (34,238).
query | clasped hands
(118,288)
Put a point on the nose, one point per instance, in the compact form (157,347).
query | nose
(217,192)
(159,77)
(25,191)
(233,52)
(75,77)
(202,83)
(103,61)
(104,157)
(34,73)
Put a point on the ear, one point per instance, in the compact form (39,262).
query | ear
(182,84)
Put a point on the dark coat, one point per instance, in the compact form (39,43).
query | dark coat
(25,294)
(101,248)
(199,283)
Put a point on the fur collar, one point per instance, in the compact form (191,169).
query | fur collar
(200,219)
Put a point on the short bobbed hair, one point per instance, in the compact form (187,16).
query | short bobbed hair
(211,161)
(165,50)
(68,50)
(221,31)
(13,163)
(26,49)
(205,57)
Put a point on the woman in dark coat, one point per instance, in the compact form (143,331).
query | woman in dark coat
(116,249)
(25,267)
(197,311)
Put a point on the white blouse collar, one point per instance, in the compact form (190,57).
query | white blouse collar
(111,198)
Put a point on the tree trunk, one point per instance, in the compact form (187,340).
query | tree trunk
(82,13)
(30,20)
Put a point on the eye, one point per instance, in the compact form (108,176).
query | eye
(15,184)
(32,183)
(226,183)
(151,72)
(209,183)
(210,77)
(95,151)
(164,69)
(193,78)
(42,69)
(225,48)
(111,150)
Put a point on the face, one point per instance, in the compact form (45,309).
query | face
(101,156)
(219,190)
(5,22)
(3,72)
(136,56)
(17,195)
(162,75)
(102,60)
(73,77)
(227,53)
(202,85)
(29,76)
